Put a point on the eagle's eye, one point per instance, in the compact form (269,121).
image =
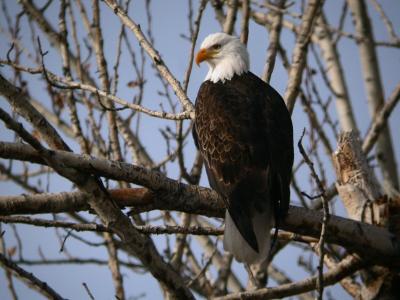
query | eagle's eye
(216,47)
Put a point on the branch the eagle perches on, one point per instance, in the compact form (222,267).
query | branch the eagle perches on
(163,193)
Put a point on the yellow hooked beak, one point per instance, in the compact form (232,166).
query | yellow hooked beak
(203,55)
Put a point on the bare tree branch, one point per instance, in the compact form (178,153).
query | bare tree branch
(325,219)
(29,279)
(345,268)
(244,33)
(274,35)
(171,195)
(300,52)
(374,91)
(231,16)
(334,69)
(158,62)
(380,120)
(100,202)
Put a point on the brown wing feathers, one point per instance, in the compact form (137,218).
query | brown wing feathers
(244,133)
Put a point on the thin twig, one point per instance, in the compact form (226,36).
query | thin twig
(386,21)
(197,23)
(109,108)
(321,242)
(114,266)
(180,138)
(70,99)
(78,261)
(8,273)
(45,74)
(341,23)
(206,265)
(64,241)
(146,229)
(88,291)
(98,45)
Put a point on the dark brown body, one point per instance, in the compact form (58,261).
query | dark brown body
(244,133)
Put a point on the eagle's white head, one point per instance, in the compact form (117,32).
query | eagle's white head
(225,55)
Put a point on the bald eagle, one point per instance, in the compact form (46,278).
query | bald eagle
(244,133)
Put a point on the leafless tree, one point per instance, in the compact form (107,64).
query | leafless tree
(72,115)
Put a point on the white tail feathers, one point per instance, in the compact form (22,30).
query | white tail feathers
(237,245)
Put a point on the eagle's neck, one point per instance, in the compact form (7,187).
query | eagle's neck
(228,66)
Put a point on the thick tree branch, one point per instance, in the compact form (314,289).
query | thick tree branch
(168,194)
(323,37)
(374,91)
(356,183)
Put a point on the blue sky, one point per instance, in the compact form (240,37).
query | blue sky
(169,22)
